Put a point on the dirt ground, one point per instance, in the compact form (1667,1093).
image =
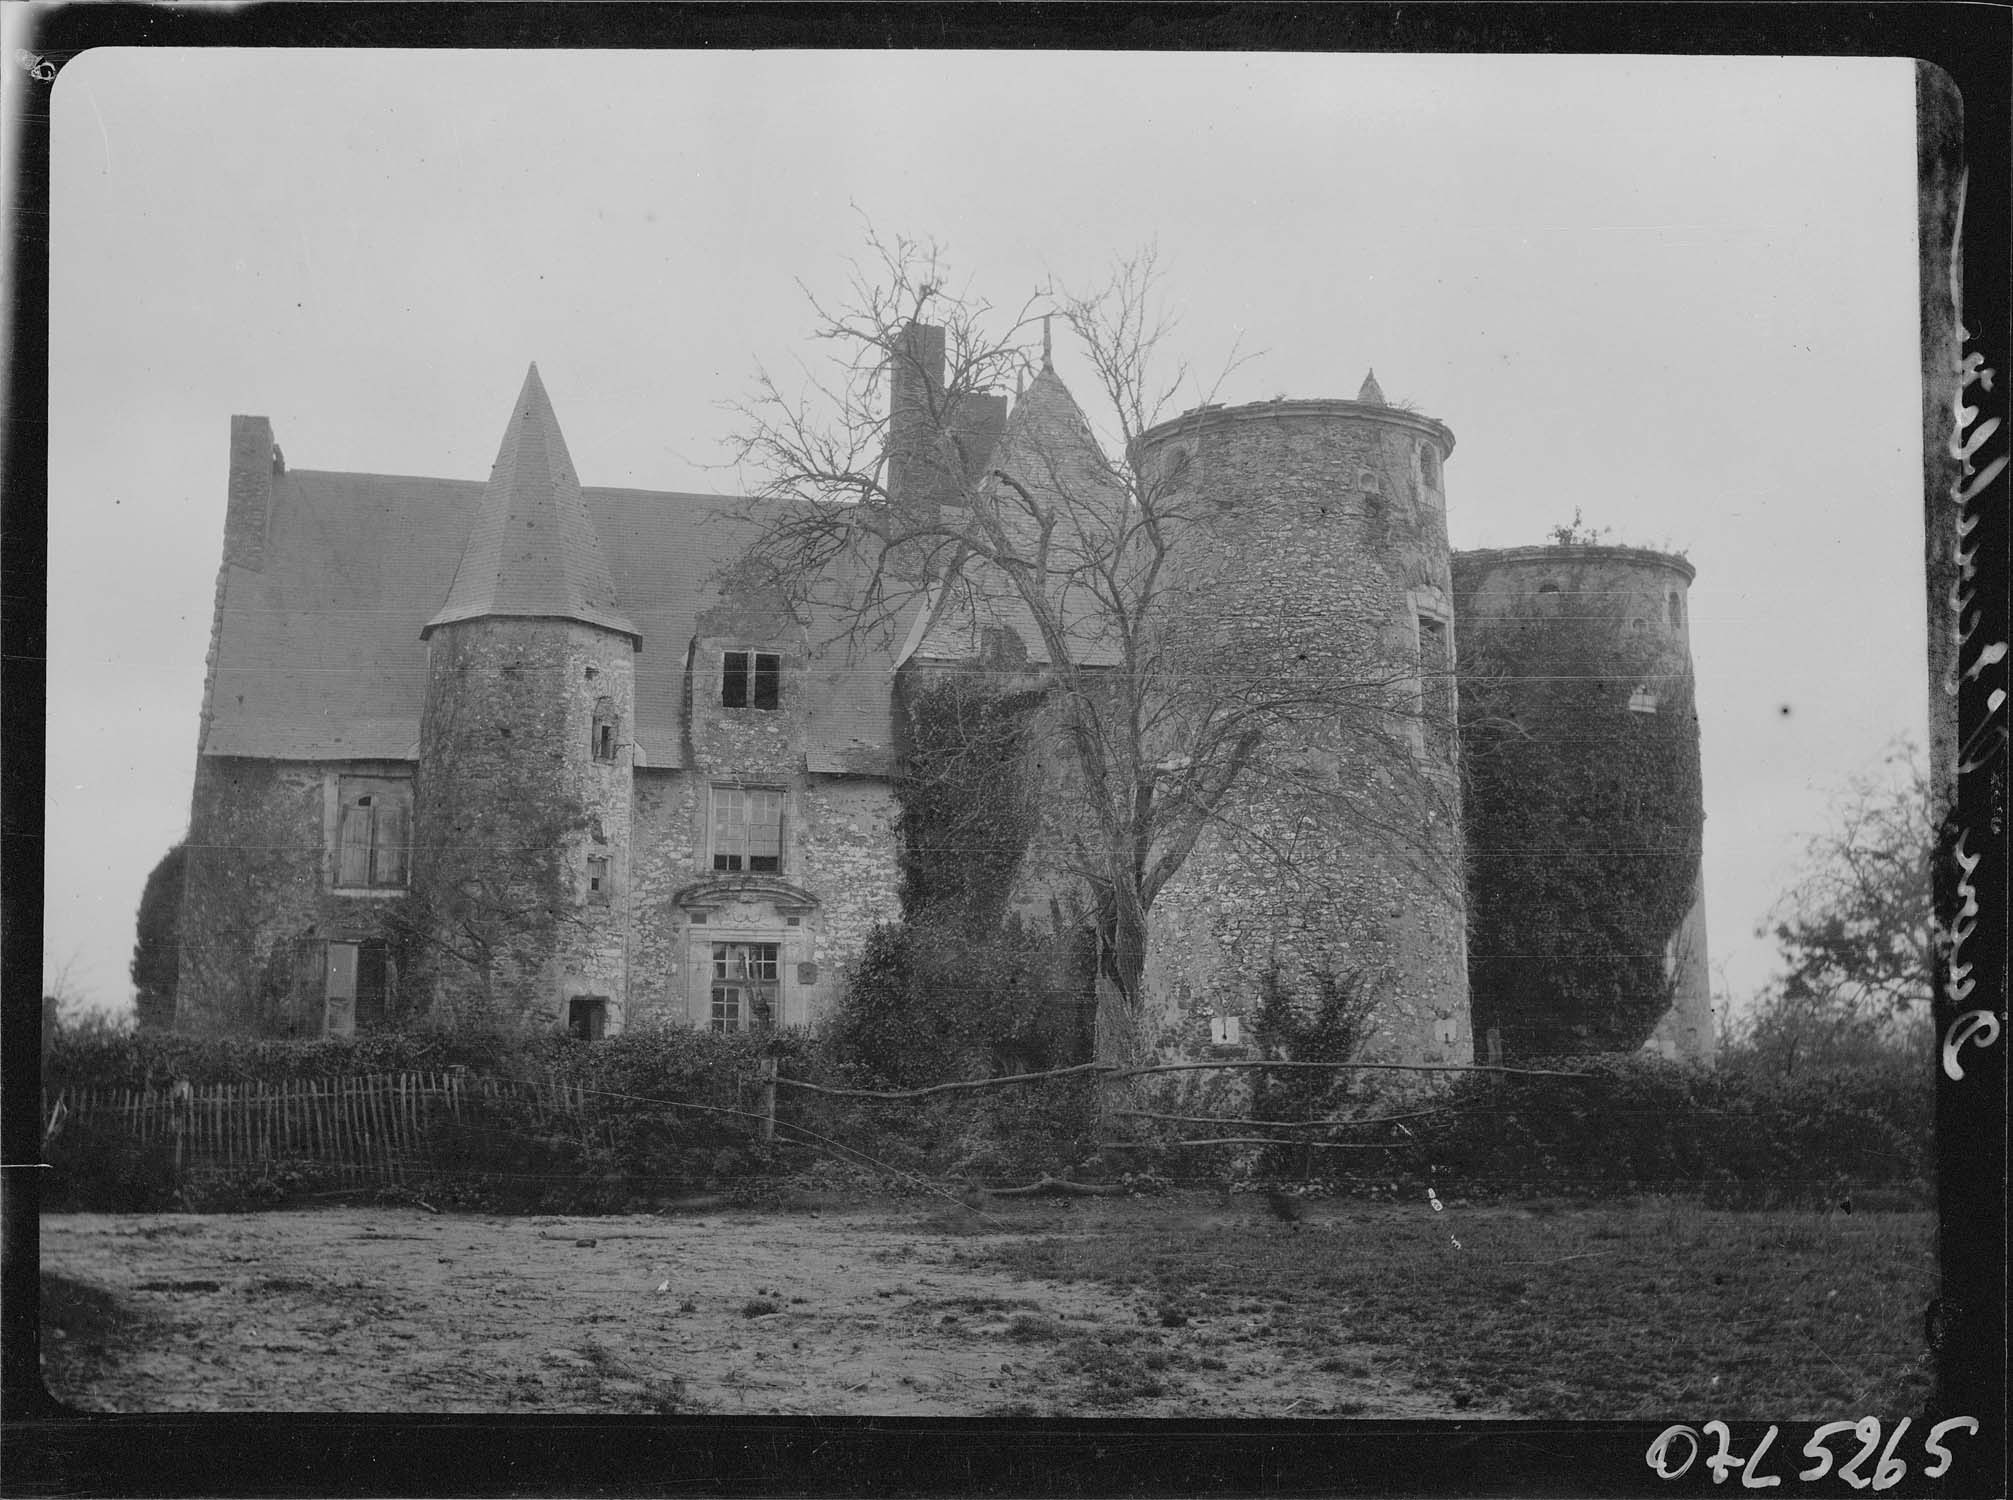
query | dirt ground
(852,1311)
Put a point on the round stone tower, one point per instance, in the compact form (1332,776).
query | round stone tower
(522,794)
(1313,604)
(1585,813)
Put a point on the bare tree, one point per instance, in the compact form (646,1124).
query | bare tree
(890,498)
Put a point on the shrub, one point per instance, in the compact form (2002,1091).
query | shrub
(95,1166)
(1634,1124)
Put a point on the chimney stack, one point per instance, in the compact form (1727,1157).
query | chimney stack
(254,461)
(916,477)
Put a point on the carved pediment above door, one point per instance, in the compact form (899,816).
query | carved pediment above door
(745,900)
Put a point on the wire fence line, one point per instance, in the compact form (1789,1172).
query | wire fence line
(381,1128)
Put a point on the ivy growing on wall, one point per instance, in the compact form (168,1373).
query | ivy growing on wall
(1584,820)
(966,811)
(961,985)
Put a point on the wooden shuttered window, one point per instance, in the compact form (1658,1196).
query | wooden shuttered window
(747,828)
(373,832)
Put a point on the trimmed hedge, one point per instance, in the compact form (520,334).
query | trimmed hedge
(1640,1124)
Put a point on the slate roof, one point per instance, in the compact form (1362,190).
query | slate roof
(532,550)
(1047,445)
(319,655)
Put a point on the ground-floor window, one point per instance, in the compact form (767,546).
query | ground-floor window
(744,986)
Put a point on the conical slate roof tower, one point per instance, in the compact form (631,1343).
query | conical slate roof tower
(522,793)
(533,551)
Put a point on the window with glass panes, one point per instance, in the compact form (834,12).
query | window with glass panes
(751,679)
(747,828)
(744,986)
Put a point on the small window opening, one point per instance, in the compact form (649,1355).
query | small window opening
(1226,1031)
(1677,608)
(587,1017)
(1429,466)
(603,733)
(751,679)
(597,877)
(1436,680)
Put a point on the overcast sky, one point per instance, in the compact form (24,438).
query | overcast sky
(1675,294)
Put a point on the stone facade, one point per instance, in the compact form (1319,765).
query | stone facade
(531,752)
(522,830)
(1316,593)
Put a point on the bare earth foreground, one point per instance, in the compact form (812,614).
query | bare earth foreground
(857,1311)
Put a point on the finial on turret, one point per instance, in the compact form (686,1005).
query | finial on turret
(1047,357)
(1372,393)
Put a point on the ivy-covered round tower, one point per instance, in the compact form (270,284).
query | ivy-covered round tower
(521,800)
(1314,602)
(1584,805)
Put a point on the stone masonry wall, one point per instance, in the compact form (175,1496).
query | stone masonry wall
(511,804)
(1321,546)
(839,848)
(259,880)
(840,856)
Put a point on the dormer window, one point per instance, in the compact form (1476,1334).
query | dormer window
(751,679)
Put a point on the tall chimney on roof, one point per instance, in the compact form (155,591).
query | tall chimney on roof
(255,461)
(916,478)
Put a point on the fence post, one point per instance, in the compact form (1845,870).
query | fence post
(768,1076)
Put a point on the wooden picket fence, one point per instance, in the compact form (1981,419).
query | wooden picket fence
(367,1127)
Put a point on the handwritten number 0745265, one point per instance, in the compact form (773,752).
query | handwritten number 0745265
(1887,1472)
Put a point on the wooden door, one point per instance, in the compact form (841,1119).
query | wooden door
(339,1014)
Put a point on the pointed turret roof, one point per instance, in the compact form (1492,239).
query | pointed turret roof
(1372,393)
(533,550)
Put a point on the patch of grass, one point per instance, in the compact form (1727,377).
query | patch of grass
(1643,1310)
(1033,1328)
(980,1304)
(1113,1371)
(756,1307)
(664,1394)
(1344,1364)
